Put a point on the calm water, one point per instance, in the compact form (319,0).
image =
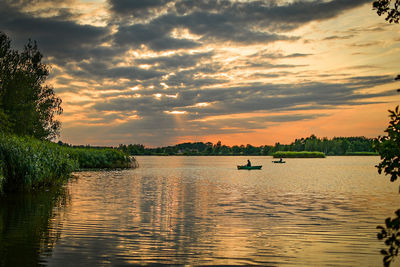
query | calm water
(202,210)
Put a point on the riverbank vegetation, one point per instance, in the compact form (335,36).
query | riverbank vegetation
(388,147)
(100,158)
(26,163)
(28,110)
(29,163)
(361,154)
(335,146)
(302,154)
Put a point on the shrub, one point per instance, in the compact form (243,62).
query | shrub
(361,154)
(28,163)
(99,158)
(302,154)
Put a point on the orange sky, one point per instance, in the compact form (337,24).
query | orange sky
(164,72)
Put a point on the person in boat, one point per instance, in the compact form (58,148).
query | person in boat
(280,160)
(248,163)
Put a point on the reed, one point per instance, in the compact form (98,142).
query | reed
(27,163)
(301,154)
(100,158)
(361,154)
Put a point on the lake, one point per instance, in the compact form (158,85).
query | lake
(203,211)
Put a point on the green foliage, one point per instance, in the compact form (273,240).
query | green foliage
(391,233)
(334,146)
(29,163)
(388,147)
(388,7)
(27,105)
(26,162)
(302,154)
(361,154)
(99,158)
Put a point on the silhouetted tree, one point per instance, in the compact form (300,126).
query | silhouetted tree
(390,8)
(389,149)
(27,105)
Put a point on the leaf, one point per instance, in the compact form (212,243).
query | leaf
(386,261)
(388,222)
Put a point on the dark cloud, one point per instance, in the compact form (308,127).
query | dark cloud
(59,38)
(177,60)
(253,98)
(184,45)
(337,37)
(136,8)
(103,70)
(154,37)
(271,14)
(127,6)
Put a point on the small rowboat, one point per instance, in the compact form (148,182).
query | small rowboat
(245,167)
(278,161)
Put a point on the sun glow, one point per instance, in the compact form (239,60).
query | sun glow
(175,112)
(202,105)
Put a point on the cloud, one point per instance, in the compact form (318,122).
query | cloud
(253,98)
(337,37)
(156,69)
(103,70)
(154,37)
(59,38)
(271,14)
(221,21)
(182,60)
(136,8)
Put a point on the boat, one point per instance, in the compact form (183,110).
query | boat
(278,161)
(245,167)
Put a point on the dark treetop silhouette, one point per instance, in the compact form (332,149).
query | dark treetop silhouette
(27,105)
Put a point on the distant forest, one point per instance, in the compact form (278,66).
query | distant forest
(331,147)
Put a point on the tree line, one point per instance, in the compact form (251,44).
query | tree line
(334,146)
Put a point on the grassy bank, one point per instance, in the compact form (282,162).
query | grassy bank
(27,163)
(105,158)
(361,154)
(302,154)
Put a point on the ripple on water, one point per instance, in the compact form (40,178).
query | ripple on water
(183,210)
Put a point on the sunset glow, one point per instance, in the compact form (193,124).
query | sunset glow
(242,72)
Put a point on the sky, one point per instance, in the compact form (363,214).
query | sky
(162,72)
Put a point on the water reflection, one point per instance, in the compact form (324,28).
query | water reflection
(28,227)
(202,210)
(181,210)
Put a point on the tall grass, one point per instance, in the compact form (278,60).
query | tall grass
(361,154)
(302,154)
(28,163)
(95,158)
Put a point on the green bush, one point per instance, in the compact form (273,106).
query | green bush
(28,163)
(95,158)
(302,154)
(361,154)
